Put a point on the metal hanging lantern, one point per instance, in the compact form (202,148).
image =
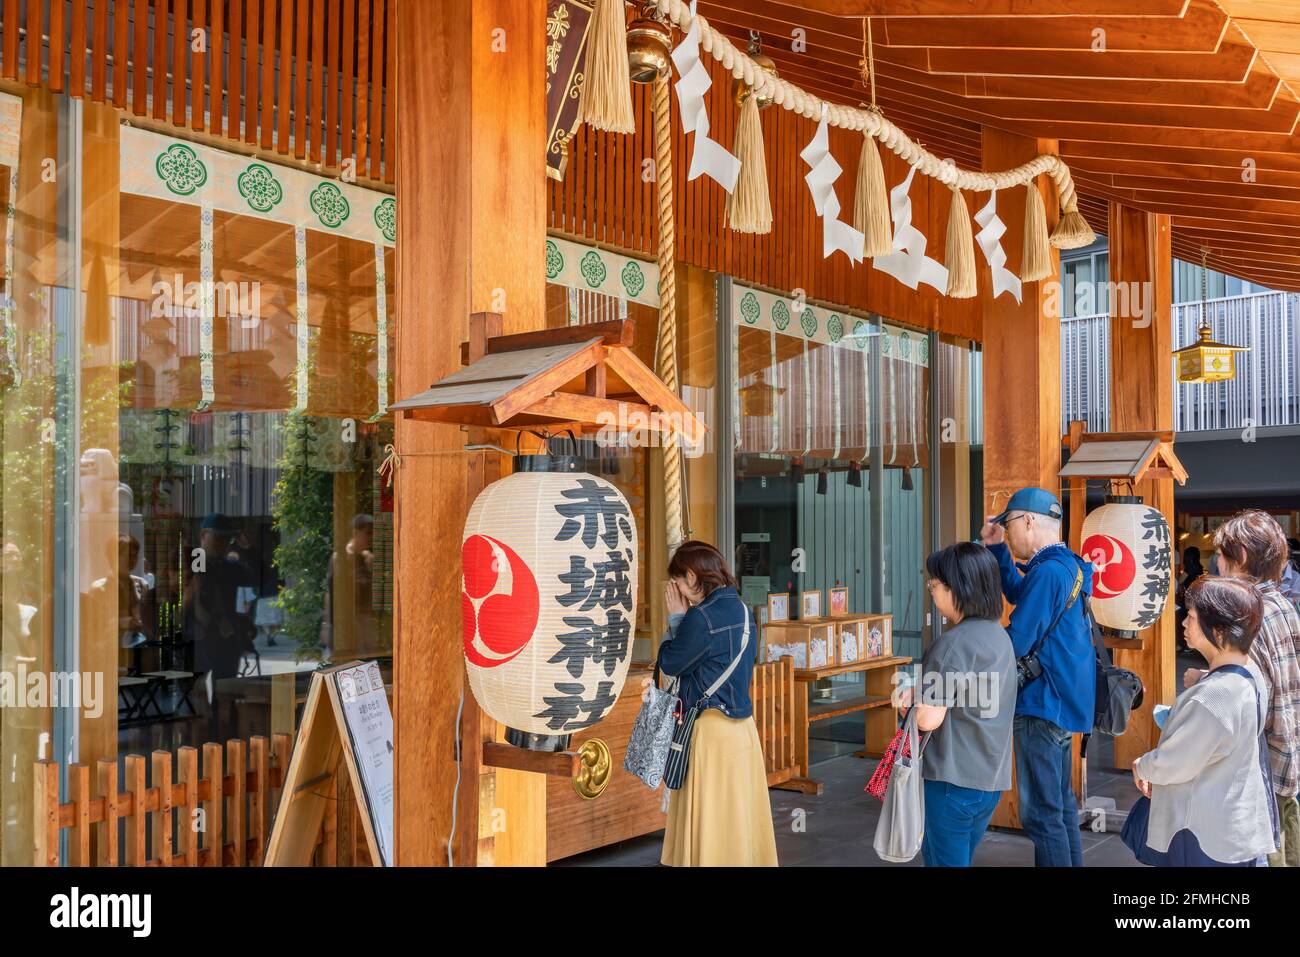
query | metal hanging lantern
(768,66)
(548,599)
(1129,546)
(649,45)
(1206,360)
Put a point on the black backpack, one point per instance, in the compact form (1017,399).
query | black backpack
(1119,690)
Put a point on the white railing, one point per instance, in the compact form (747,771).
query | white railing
(1085,372)
(1265,392)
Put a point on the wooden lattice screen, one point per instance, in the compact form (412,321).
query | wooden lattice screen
(307,79)
(772,689)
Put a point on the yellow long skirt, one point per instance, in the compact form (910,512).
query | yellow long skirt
(721,816)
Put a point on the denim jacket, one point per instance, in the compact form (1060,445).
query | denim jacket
(702,643)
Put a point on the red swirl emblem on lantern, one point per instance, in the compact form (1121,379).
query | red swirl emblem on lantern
(1113,566)
(1129,546)
(498,602)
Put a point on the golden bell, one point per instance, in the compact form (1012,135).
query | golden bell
(648,44)
(768,66)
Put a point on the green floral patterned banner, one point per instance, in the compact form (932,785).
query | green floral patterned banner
(906,345)
(794,317)
(599,270)
(156,165)
(757,309)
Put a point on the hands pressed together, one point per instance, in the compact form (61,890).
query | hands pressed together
(673,597)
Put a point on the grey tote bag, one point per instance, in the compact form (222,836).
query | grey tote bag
(652,734)
(902,818)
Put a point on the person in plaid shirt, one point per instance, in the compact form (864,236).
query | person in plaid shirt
(1252,546)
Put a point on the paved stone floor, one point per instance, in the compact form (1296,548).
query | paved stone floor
(838,825)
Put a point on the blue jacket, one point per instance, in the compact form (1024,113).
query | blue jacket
(1065,693)
(704,641)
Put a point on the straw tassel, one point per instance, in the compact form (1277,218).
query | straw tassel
(1073,231)
(959,254)
(749,208)
(1036,258)
(607,90)
(871,201)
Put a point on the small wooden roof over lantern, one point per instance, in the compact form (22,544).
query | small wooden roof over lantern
(584,378)
(1124,457)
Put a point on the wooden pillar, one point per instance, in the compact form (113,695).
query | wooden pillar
(1022,365)
(98,639)
(1141,398)
(471,146)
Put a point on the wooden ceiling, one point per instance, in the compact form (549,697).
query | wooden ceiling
(1190,109)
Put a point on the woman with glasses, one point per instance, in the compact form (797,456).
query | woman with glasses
(966,700)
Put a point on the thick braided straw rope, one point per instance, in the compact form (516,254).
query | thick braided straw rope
(791,97)
(667,344)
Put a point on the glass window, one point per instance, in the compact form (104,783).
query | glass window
(802,456)
(195,391)
(1079,293)
(39,352)
(832,464)
(256,534)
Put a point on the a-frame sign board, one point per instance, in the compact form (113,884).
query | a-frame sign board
(347,727)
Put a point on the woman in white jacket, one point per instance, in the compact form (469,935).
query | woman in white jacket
(1208,780)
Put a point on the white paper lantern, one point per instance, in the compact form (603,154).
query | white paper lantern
(1129,547)
(548,599)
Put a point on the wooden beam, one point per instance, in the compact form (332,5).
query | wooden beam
(996,8)
(1198,31)
(521,397)
(1257,92)
(1232,63)
(591,411)
(1142,399)
(474,234)
(616,332)
(1022,348)
(561,764)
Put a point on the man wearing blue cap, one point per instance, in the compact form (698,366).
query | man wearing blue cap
(1055,658)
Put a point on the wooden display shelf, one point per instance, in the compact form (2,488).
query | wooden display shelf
(833,709)
(880,718)
(868,664)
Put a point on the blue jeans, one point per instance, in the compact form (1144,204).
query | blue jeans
(955,821)
(1048,810)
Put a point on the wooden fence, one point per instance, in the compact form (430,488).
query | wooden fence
(773,689)
(232,793)
(222,816)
